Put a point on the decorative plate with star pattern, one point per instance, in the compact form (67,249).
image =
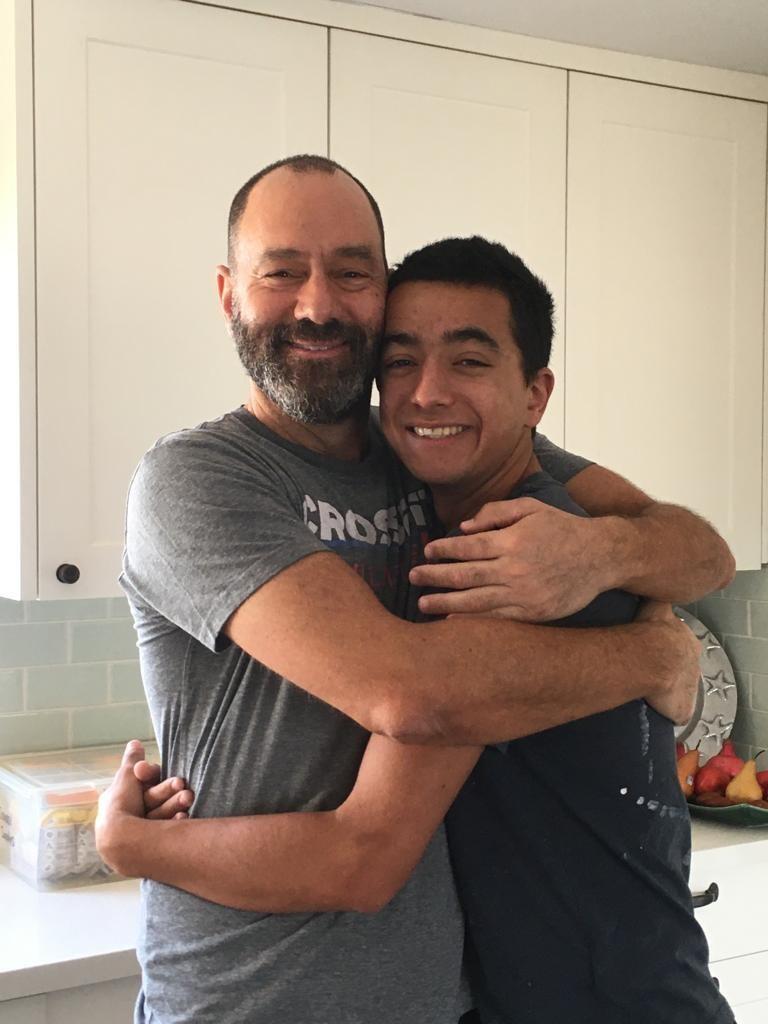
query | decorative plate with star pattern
(716,702)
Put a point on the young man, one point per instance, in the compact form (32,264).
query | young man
(266,657)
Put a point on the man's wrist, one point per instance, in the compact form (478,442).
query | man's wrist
(618,552)
(120,841)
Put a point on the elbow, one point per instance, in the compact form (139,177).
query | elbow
(411,718)
(728,563)
(375,884)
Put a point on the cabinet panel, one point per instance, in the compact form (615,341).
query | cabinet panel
(23,1011)
(754,1013)
(111,1001)
(744,979)
(666,215)
(148,118)
(456,144)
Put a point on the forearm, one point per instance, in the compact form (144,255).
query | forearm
(500,681)
(665,552)
(249,863)
(355,857)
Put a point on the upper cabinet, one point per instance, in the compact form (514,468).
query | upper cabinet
(664,328)
(148,118)
(456,144)
(128,125)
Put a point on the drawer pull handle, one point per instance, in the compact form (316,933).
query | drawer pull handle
(703,899)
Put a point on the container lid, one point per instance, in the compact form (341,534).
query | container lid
(65,770)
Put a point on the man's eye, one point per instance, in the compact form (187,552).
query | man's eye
(468,361)
(279,273)
(398,364)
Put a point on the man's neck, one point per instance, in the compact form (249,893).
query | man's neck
(346,440)
(456,502)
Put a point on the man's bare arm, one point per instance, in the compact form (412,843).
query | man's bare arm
(664,552)
(353,858)
(458,681)
(525,560)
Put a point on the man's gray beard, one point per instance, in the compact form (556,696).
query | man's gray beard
(312,391)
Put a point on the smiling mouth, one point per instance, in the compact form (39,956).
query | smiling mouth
(317,346)
(437,432)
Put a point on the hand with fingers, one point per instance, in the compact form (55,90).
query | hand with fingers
(163,798)
(518,559)
(136,792)
(673,662)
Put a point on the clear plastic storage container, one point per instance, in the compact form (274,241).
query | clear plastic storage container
(48,805)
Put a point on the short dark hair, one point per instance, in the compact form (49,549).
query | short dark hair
(476,261)
(302,163)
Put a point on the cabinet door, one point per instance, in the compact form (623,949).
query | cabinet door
(112,1001)
(666,215)
(23,1011)
(456,144)
(148,118)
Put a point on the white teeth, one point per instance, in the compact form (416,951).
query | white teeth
(437,431)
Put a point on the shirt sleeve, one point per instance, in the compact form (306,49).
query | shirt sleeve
(560,464)
(204,530)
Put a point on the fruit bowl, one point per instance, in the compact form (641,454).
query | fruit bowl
(745,815)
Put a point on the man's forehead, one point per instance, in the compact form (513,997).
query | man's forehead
(284,192)
(426,313)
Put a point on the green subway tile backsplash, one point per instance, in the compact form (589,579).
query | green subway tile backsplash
(43,730)
(126,682)
(724,615)
(111,640)
(739,617)
(65,686)
(114,724)
(69,671)
(11,690)
(69,675)
(33,644)
(758,617)
(760,691)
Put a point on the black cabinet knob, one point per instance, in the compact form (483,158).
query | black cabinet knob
(67,573)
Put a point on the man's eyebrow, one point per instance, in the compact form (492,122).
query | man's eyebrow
(355,252)
(346,252)
(280,254)
(399,338)
(471,333)
(453,337)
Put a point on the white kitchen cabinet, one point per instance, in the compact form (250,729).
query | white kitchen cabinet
(111,1001)
(126,127)
(30,1010)
(664,325)
(734,925)
(457,144)
(148,117)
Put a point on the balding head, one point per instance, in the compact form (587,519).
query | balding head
(302,164)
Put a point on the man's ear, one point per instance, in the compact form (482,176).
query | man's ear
(224,284)
(539,391)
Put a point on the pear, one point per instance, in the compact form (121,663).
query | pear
(744,787)
(687,766)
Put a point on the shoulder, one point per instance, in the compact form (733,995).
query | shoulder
(546,489)
(558,462)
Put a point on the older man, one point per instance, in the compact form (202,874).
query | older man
(268,659)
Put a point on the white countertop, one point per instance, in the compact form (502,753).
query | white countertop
(57,940)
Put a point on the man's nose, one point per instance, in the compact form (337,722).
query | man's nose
(315,300)
(431,388)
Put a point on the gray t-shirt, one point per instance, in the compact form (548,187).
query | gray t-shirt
(214,513)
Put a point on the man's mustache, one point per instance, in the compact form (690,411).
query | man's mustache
(307,330)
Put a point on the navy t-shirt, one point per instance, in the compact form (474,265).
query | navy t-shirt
(571,851)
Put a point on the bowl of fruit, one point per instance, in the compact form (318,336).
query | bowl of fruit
(726,787)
